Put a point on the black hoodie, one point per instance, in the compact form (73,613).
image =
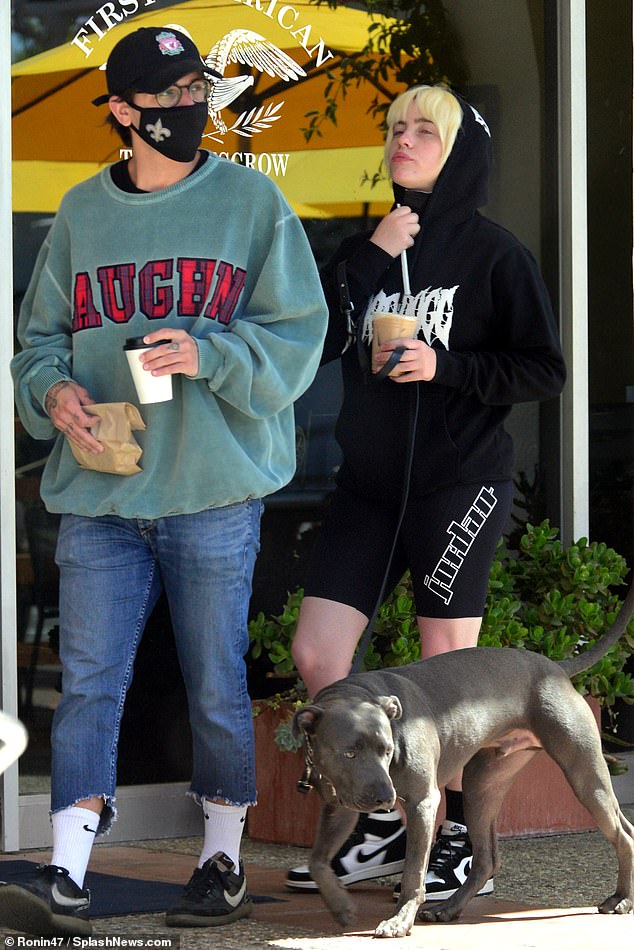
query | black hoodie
(483,307)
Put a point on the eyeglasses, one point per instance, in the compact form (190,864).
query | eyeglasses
(198,90)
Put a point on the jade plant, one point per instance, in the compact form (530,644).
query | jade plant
(271,637)
(545,597)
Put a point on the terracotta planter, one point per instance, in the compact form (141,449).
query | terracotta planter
(540,802)
(283,814)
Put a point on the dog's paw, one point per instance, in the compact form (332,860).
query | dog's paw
(428,914)
(617,904)
(343,912)
(345,921)
(397,926)
(335,897)
(435,913)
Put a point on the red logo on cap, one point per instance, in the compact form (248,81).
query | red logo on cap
(169,44)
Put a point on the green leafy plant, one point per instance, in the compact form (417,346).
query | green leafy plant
(544,597)
(415,44)
(558,601)
(272,636)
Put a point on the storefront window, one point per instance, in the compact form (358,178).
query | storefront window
(509,54)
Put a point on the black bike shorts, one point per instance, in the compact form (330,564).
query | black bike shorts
(447,540)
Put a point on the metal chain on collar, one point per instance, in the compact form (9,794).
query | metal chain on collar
(305,783)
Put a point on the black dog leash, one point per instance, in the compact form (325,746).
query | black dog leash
(354,330)
(305,783)
(366,639)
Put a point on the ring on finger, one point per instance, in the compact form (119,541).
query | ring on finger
(174,346)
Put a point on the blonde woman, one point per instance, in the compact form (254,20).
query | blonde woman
(427,462)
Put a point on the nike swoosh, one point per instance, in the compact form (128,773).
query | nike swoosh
(93,831)
(236,898)
(363,855)
(62,901)
(460,872)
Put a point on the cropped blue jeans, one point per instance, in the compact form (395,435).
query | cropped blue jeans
(112,571)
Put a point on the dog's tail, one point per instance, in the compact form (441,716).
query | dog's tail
(583,661)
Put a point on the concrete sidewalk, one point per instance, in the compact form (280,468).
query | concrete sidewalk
(545,896)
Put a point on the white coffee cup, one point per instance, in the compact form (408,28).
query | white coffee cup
(149,388)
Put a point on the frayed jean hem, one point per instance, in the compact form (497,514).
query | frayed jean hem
(109,813)
(199,796)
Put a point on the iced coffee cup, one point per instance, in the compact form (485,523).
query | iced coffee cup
(149,388)
(390,326)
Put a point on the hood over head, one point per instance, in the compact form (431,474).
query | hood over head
(462,186)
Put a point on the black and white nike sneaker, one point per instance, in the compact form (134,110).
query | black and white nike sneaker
(49,904)
(215,895)
(375,848)
(449,864)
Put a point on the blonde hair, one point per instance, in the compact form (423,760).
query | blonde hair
(434,103)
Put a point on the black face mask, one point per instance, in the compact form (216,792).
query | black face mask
(175,132)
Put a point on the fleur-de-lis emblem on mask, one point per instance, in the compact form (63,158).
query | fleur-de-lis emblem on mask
(157,132)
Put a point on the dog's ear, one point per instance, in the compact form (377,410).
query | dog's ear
(391,705)
(305,719)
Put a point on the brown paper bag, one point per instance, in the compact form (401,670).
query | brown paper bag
(113,428)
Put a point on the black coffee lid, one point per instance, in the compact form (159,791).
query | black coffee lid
(135,343)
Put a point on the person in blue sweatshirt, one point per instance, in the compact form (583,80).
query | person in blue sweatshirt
(205,261)
(427,461)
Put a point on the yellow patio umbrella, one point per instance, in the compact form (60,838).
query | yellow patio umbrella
(286,53)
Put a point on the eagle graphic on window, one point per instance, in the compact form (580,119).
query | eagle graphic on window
(249,49)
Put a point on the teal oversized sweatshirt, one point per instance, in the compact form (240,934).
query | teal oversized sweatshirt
(220,255)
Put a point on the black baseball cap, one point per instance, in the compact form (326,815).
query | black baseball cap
(150,59)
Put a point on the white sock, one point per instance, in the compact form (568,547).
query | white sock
(74,832)
(224,825)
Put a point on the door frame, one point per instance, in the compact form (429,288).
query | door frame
(24,819)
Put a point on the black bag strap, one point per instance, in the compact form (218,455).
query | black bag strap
(345,301)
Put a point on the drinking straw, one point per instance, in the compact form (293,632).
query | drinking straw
(406,286)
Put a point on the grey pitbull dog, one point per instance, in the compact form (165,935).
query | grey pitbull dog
(400,734)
